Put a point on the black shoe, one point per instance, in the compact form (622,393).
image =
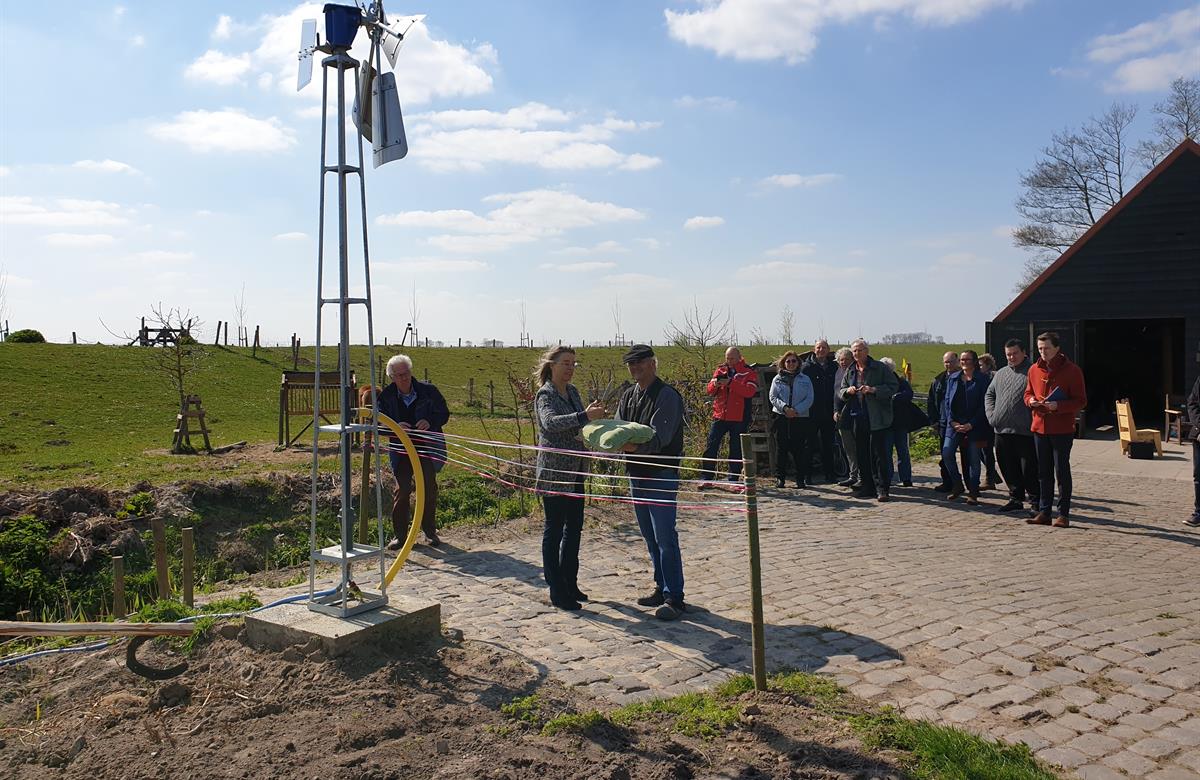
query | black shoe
(670,610)
(863,493)
(943,488)
(956,491)
(395,544)
(654,599)
(1193,521)
(884,497)
(779,482)
(800,485)
(906,484)
(846,483)
(434,541)
(580,595)
(570,605)
(1012,505)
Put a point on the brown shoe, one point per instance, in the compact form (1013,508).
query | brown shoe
(1061,522)
(1041,518)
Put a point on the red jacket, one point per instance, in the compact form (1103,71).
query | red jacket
(1044,377)
(729,400)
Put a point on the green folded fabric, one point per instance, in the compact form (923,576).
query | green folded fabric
(613,435)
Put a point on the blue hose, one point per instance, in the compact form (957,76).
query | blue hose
(103,643)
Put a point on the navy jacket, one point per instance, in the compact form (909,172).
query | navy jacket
(974,411)
(429,405)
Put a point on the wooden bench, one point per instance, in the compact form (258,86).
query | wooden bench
(296,400)
(1130,433)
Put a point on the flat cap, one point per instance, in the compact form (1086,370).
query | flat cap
(637,352)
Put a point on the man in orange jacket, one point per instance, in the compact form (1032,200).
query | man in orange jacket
(732,386)
(1054,392)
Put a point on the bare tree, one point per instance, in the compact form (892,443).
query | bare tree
(521,315)
(1081,175)
(3,295)
(787,321)
(413,311)
(1176,118)
(757,339)
(699,332)
(618,334)
(239,308)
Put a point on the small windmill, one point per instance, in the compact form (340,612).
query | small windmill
(377,116)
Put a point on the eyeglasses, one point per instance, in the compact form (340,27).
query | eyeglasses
(565,364)
(790,360)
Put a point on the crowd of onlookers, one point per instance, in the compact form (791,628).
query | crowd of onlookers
(849,411)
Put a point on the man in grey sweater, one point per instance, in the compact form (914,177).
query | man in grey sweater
(1004,404)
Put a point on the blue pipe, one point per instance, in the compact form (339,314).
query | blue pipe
(103,643)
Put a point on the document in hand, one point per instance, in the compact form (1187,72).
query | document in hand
(1056,395)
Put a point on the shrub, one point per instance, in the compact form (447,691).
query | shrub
(26,336)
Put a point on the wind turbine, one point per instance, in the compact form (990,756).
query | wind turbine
(378,119)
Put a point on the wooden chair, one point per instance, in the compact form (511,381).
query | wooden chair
(1130,433)
(1175,418)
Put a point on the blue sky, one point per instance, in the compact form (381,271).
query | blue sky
(855,159)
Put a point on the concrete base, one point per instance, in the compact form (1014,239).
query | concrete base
(404,620)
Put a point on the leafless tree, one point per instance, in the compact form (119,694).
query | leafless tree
(699,332)
(3,295)
(239,308)
(1081,174)
(413,312)
(757,339)
(521,315)
(618,334)
(787,321)
(1176,118)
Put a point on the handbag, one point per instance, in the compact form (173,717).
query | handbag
(917,418)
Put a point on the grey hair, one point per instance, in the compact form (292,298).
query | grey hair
(887,361)
(843,352)
(820,341)
(860,341)
(397,360)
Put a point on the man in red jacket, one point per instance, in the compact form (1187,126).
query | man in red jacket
(1054,392)
(732,386)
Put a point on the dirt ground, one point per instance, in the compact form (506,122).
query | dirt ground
(433,713)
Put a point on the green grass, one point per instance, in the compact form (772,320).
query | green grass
(103,415)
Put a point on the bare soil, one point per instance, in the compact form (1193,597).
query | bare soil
(430,712)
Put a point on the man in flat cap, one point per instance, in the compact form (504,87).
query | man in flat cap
(654,477)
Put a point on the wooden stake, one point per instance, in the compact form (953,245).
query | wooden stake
(756,605)
(160,558)
(188,552)
(471,391)
(119,609)
(491,397)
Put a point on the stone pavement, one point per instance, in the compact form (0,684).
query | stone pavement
(1083,643)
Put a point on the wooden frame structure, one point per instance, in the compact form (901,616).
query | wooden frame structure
(1130,433)
(296,400)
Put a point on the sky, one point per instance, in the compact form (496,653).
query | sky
(572,165)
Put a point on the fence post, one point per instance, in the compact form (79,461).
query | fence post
(427,375)
(491,397)
(188,559)
(756,606)
(471,391)
(118,587)
(160,558)
(460,341)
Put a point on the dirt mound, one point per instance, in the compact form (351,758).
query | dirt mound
(433,711)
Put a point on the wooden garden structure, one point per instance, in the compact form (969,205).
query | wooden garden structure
(296,399)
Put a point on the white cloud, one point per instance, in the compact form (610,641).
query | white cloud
(602,248)
(60,212)
(157,257)
(959,260)
(712,102)
(524,217)
(224,29)
(427,67)
(474,139)
(574,268)
(801,272)
(1003,231)
(219,68)
(137,41)
(1148,56)
(699,223)
(787,29)
(653,244)
(5,170)
(293,236)
(792,180)
(434,265)
(79,240)
(793,249)
(104,166)
(229,130)
(640,282)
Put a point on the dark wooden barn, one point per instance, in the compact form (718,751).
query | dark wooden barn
(1125,298)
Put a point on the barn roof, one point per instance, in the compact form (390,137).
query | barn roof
(1187,147)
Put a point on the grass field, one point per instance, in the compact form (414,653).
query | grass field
(103,415)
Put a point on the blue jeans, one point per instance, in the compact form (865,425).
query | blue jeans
(715,433)
(560,544)
(899,441)
(950,447)
(1054,460)
(657,524)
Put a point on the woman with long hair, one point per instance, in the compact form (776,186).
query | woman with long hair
(791,397)
(560,417)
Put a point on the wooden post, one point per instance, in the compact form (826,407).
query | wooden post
(254,353)
(756,605)
(118,587)
(227,333)
(217,338)
(364,496)
(188,559)
(73,339)
(460,341)
(491,397)
(471,391)
(160,558)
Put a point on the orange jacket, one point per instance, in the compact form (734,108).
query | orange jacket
(1044,378)
(729,400)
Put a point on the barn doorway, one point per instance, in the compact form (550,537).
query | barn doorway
(1141,360)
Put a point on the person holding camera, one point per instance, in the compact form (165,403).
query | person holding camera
(732,386)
